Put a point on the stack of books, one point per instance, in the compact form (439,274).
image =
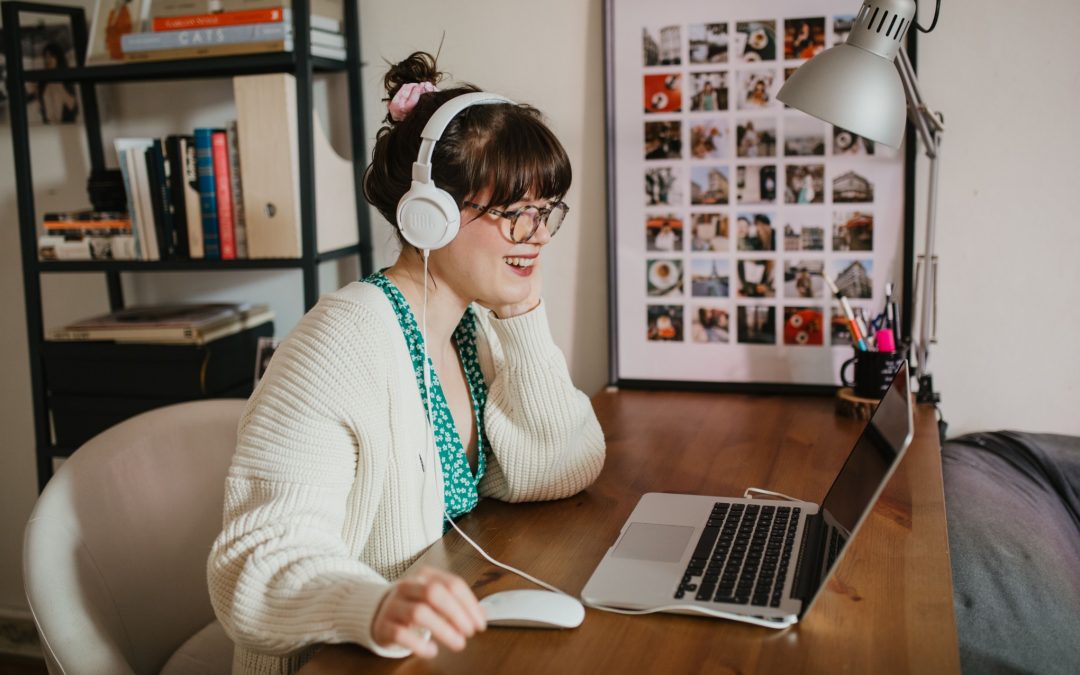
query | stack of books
(86,235)
(180,324)
(223,193)
(184,29)
(184,195)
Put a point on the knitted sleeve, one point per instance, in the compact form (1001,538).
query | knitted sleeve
(281,576)
(546,440)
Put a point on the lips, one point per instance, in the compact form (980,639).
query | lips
(522,265)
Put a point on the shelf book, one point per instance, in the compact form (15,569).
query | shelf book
(86,235)
(222,193)
(155,30)
(166,324)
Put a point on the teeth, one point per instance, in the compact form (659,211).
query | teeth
(520,262)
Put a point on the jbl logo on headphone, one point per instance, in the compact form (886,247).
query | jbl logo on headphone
(421,221)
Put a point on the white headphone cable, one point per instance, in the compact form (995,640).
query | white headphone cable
(428,445)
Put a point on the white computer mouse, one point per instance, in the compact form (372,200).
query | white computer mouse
(533,609)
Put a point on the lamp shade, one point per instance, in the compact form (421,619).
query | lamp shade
(855,85)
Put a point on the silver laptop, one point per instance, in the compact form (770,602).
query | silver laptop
(764,558)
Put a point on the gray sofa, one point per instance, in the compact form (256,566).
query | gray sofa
(1013,506)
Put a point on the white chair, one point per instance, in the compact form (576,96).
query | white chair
(115,551)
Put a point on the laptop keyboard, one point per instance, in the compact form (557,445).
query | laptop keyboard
(742,556)
(836,543)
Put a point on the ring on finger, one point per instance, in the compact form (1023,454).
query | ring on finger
(423,633)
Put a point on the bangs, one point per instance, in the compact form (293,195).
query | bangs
(519,158)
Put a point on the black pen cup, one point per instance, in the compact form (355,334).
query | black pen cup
(874,372)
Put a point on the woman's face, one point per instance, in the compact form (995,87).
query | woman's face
(483,264)
(50,60)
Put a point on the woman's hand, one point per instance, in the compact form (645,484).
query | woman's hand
(429,601)
(531,302)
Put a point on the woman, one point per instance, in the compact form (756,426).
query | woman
(707,98)
(338,485)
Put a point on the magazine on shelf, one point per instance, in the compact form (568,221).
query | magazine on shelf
(169,324)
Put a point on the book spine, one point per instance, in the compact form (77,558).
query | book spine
(86,246)
(223,188)
(174,161)
(214,50)
(323,23)
(129,194)
(192,205)
(324,39)
(256,32)
(239,224)
(143,201)
(159,199)
(238,18)
(85,225)
(204,162)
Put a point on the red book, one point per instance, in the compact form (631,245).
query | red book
(223,190)
(237,18)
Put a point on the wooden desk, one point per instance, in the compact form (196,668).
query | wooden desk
(889,608)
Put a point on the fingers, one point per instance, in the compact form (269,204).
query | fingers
(424,616)
(434,600)
(452,591)
(414,641)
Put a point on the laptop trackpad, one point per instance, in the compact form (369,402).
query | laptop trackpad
(659,543)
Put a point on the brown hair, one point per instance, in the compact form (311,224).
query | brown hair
(506,147)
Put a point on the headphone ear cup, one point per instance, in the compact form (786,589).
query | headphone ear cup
(428,217)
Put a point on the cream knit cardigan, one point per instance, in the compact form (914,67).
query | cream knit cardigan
(326,501)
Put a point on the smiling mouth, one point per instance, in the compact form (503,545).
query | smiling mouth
(520,262)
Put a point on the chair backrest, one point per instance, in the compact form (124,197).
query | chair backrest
(116,547)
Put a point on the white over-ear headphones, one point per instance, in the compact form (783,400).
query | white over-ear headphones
(428,216)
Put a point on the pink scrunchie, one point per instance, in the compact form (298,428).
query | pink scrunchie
(406,97)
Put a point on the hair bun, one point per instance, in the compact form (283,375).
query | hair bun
(418,67)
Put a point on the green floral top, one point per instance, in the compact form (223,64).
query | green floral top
(459,483)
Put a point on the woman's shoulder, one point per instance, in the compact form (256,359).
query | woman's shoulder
(357,315)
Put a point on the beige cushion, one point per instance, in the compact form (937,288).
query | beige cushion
(208,652)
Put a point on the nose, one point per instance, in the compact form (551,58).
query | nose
(542,235)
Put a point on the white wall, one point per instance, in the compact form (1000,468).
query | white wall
(1006,228)
(1007,222)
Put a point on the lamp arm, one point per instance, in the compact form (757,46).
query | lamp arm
(930,126)
(927,122)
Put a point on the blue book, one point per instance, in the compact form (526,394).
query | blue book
(204,164)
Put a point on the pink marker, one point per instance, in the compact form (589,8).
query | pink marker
(885,340)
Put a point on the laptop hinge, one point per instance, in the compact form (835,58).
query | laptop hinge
(808,568)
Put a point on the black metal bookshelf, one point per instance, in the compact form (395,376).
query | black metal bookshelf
(298,62)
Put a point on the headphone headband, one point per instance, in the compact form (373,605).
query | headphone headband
(440,119)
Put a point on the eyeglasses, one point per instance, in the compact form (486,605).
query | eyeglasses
(524,222)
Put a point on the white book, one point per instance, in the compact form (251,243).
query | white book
(127,169)
(143,202)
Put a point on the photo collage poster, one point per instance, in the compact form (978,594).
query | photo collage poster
(729,207)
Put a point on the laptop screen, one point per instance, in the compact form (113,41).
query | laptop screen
(868,467)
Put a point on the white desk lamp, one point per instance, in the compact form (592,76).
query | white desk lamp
(862,86)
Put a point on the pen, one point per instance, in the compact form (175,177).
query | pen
(890,319)
(856,335)
(864,328)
